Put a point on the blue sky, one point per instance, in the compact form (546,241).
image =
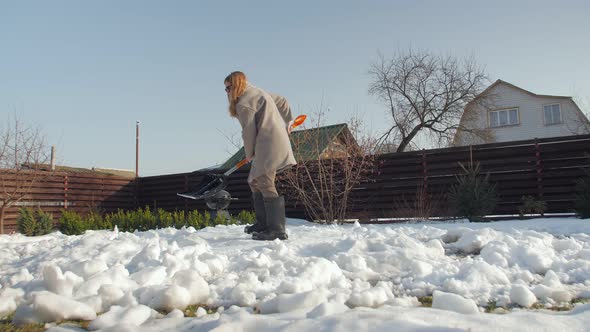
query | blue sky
(85,71)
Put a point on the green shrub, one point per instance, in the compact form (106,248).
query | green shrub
(71,223)
(179,219)
(102,223)
(126,221)
(206,220)
(195,219)
(473,196)
(530,205)
(221,219)
(44,222)
(164,219)
(582,201)
(95,219)
(34,223)
(144,219)
(245,217)
(26,222)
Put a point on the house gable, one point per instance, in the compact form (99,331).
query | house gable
(503,96)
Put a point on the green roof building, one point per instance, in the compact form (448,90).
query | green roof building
(312,144)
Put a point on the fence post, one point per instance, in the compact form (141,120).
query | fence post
(185,190)
(65,191)
(539,169)
(424,194)
(137,192)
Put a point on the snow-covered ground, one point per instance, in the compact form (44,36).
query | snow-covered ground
(324,278)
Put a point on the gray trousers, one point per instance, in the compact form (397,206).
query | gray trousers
(265,184)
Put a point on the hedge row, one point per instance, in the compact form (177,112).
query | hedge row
(36,222)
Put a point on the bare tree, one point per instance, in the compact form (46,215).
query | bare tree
(580,123)
(425,95)
(234,138)
(326,174)
(22,156)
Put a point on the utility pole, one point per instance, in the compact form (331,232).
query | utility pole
(52,158)
(137,148)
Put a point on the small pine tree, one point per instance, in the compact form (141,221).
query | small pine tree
(206,221)
(26,222)
(245,217)
(144,219)
(164,219)
(473,196)
(530,205)
(44,222)
(95,219)
(220,219)
(71,223)
(179,219)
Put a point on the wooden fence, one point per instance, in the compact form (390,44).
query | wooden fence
(546,169)
(418,181)
(80,192)
(403,185)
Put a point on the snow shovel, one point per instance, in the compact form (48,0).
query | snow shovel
(214,183)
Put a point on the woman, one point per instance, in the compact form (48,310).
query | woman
(265,122)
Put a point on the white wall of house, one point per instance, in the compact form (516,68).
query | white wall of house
(531,123)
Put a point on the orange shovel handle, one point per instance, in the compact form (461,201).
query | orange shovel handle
(298,121)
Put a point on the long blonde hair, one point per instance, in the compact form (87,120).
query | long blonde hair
(238,82)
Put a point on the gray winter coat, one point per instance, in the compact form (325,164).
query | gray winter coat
(264,119)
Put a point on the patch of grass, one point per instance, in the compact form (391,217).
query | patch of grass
(80,323)
(25,328)
(7,326)
(426,301)
(566,306)
(569,305)
(580,300)
(491,307)
(563,307)
(191,310)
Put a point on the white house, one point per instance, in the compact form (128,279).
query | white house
(504,112)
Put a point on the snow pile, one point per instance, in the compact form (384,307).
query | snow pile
(453,302)
(132,315)
(50,307)
(351,277)
(521,295)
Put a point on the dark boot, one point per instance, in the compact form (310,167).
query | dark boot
(275,220)
(260,224)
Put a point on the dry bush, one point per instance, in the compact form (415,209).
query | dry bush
(23,154)
(326,174)
(419,207)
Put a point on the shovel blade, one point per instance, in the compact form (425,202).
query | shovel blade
(210,185)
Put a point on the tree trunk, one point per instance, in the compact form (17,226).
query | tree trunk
(406,140)
(2,209)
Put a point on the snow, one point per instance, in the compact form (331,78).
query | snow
(132,315)
(521,295)
(325,277)
(453,302)
(48,307)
